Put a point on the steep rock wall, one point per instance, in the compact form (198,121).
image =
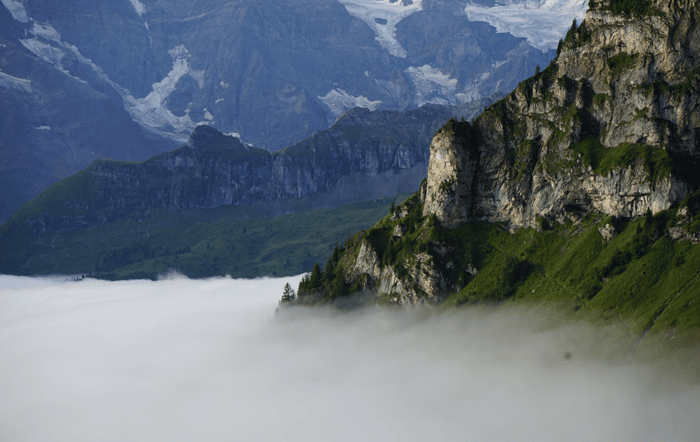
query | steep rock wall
(612,125)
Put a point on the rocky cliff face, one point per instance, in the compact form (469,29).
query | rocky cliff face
(364,155)
(611,127)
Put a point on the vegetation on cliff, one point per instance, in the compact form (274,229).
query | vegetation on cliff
(574,191)
(597,268)
(623,7)
(243,242)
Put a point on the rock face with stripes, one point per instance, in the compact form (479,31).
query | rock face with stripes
(611,126)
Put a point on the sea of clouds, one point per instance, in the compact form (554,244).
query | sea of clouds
(185,360)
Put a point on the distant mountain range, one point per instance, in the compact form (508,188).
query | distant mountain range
(129,79)
(365,155)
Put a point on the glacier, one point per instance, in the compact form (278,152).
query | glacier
(139,7)
(150,112)
(10,82)
(17,10)
(541,22)
(384,10)
(48,53)
(198,76)
(338,101)
(432,86)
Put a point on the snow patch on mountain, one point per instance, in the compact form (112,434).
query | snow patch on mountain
(382,16)
(10,82)
(542,22)
(47,31)
(52,50)
(139,7)
(150,111)
(432,86)
(338,101)
(45,51)
(17,10)
(198,76)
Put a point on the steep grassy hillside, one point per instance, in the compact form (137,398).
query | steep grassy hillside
(599,268)
(241,242)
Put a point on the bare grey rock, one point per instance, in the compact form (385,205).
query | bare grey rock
(680,234)
(607,232)
(629,86)
(611,127)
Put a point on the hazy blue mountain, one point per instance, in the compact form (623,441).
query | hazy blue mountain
(364,156)
(53,125)
(271,71)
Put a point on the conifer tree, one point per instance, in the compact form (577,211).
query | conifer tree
(288,293)
(315,278)
(572,31)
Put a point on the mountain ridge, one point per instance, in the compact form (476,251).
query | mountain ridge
(213,169)
(364,156)
(127,80)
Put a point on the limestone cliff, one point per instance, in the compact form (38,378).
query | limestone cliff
(611,128)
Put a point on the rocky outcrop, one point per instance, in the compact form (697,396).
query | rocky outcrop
(610,126)
(449,192)
(422,284)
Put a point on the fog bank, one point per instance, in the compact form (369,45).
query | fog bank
(182,360)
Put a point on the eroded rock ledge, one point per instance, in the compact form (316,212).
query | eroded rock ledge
(611,126)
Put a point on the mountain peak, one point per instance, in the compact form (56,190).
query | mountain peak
(599,149)
(609,127)
(205,135)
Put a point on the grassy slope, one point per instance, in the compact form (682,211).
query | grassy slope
(573,266)
(640,280)
(201,243)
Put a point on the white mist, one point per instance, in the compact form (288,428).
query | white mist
(182,360)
